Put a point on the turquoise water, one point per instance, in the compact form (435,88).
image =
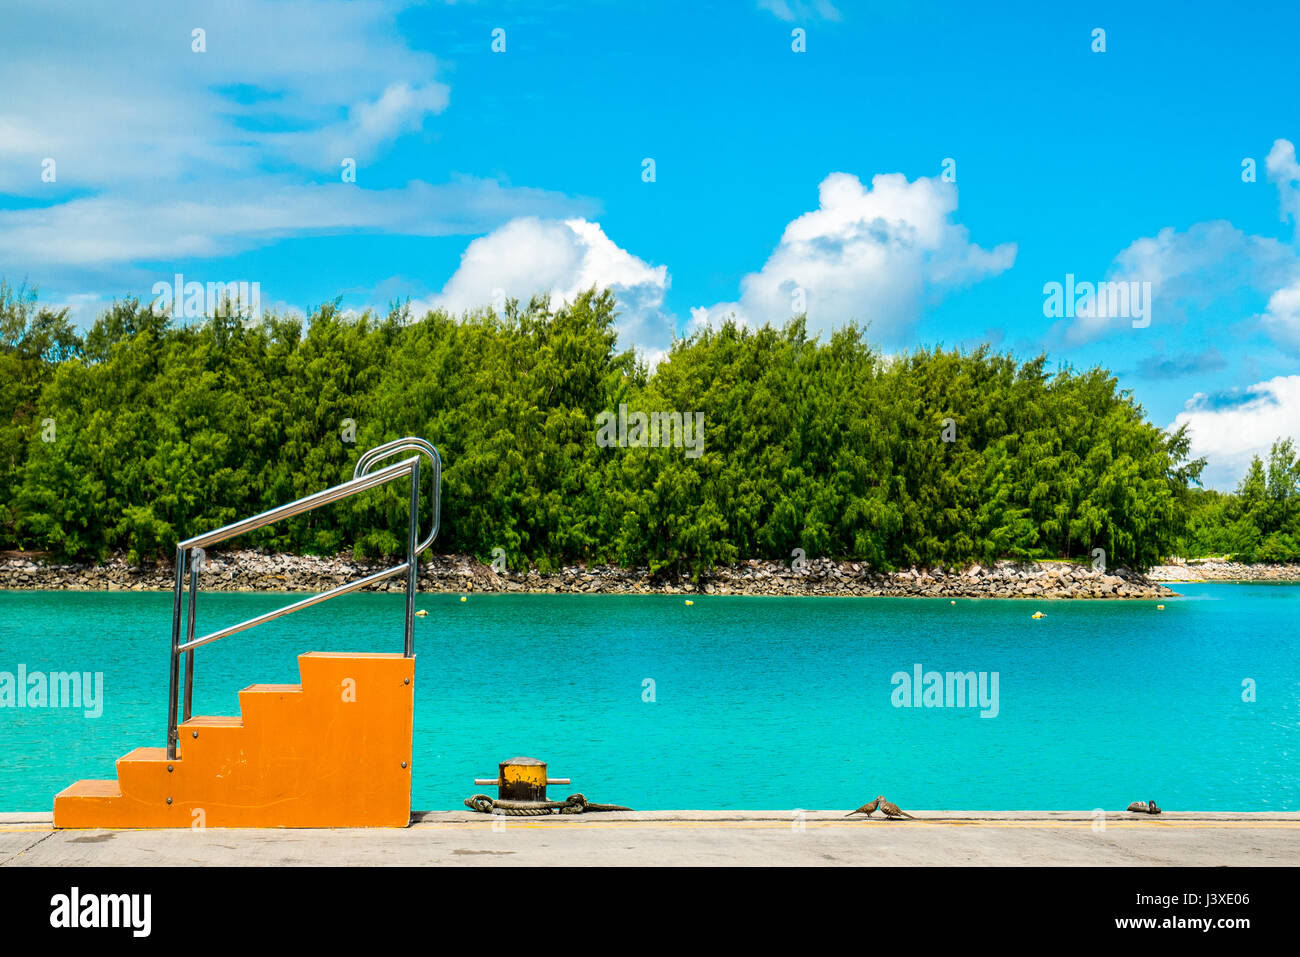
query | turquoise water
(759,702)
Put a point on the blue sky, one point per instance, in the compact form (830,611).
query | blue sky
(779,176)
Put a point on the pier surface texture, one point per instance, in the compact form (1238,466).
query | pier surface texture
(675,838)
(334,751)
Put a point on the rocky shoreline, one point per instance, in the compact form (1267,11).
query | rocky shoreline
(1223,570)
(256,571)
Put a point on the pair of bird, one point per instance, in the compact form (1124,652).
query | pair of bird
(1144,807)
(888,809)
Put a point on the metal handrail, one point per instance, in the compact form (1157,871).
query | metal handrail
(408,444)
(189,559)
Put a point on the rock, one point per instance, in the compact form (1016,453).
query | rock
(250,570)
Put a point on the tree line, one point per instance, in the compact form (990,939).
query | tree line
(1260,521)
(144,430)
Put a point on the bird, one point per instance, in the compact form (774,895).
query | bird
(892,810)
(1144,807)
(869,808)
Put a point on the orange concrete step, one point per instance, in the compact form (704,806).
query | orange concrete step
(213,721)
(143,773)
(91,789)
(268,703)
(213,735)
(85,802)
(334,751)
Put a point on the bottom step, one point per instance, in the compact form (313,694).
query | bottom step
(91,789)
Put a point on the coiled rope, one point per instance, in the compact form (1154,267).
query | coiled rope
(573,804)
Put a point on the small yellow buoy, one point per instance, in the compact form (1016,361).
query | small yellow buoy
(463,598)
(689,602)
(952,603)
(1038,614)
(421,613)
(1160,607)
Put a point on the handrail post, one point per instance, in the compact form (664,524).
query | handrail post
(412,558)
(175,654)
(196,559)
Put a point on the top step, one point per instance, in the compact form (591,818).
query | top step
(352,654)
(212,721)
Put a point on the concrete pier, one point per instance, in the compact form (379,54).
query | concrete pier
(757,838)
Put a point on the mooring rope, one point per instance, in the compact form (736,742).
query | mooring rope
(574,804)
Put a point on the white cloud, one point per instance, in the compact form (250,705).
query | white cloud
(791,10)
(369,126)
(165,153)
(1208,263)
(1285,172)
(131,103)
(1199,264)
(102,230)
(1214,263)
(872,254)
(1281,318)
(562,258)
(1230,428)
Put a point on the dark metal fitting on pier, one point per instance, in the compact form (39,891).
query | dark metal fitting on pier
(521,779)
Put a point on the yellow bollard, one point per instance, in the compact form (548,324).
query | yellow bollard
(522,779)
